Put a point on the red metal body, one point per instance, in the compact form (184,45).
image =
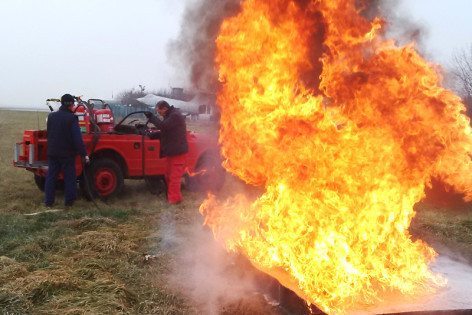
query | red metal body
(138,155)
(84,118)
(104,119)
(134,150)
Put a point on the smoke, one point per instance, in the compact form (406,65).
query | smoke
(193,53)
(399,25)
(202,270)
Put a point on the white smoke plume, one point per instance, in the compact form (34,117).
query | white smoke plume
(192,54)
(201,269)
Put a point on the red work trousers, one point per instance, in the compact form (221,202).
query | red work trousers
(173,176)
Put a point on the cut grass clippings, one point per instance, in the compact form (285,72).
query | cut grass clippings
(87,261)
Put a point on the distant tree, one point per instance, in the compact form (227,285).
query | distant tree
(462,72)
(129,97)
(164,93)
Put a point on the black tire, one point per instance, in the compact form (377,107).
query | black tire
(84,191)
(104,179)
(209,174)
(40,181)
(156,184)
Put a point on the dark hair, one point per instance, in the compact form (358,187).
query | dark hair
(162,104)
(67,100)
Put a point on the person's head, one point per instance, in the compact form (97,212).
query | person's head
(162,107)
(67,101)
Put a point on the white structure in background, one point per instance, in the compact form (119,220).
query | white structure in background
(54,105)
(197,108)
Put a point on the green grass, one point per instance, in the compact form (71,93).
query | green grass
(17,193)
(84,260)
(90,261)
(447,229)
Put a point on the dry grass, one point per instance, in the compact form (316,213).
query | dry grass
(82,261)
(90,261)
(448,230)
(13,199)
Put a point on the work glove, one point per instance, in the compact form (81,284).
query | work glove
(148,115)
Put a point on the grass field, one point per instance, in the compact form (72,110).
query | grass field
(88,260)
(92,261)
(85,260)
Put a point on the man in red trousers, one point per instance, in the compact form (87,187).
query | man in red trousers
(174,146)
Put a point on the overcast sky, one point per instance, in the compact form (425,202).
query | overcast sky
(94,48)
(98,48)
(447,25)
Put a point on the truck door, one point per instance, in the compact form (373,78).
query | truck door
(131,142)
(153,164)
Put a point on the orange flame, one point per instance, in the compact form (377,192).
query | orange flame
(342,163)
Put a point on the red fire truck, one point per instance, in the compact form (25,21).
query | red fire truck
(127,150)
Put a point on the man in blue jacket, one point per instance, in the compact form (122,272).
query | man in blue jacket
(64,143)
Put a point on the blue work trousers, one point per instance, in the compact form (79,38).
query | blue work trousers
(67,165)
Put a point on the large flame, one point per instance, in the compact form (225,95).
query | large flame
(342,158)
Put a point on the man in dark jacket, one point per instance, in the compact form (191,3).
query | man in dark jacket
(174,146)
(64,143)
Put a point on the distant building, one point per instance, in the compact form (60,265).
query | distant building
(201,106)
(177,93)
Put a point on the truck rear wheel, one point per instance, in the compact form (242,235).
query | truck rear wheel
(40,181)
(104,179)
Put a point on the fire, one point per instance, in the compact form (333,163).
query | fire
(342,158)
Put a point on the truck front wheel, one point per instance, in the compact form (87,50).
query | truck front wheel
(155,184)
(104,179)
(209,175)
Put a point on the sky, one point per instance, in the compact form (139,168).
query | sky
(98,48)
(447,25)
(95,48)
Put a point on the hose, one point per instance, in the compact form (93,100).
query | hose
(88,189)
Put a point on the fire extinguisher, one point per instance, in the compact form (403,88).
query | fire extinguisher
(104,119)
(84,117)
